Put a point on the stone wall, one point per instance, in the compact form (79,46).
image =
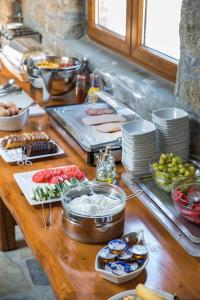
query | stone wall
(56,20)
(9,9)
(188,80)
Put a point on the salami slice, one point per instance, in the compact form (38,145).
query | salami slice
(99,111)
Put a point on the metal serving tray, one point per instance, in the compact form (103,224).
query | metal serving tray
(160,205)
(70,118)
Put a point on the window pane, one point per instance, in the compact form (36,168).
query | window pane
(111,14)
(161,26)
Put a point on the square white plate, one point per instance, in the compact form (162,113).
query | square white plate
(24,181)
(15,155)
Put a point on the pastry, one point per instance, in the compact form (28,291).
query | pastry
(40,148)
(16,141)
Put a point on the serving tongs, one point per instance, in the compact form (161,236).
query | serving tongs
(10,90)
(47,221)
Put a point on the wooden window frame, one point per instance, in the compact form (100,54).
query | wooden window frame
(132,46)
(107,37)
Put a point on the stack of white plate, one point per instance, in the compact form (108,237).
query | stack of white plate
(173,133)
(138,145)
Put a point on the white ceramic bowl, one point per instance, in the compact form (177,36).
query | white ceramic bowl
(115,278)
(169,114)
(138,128)
(14,123)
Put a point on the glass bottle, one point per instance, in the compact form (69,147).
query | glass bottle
(80,88)
(94,87)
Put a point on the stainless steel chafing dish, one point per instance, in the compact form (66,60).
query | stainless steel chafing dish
(94,229)
(58,81)
(67,120)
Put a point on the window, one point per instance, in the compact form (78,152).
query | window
(146,31)
(111,19)
(161,26)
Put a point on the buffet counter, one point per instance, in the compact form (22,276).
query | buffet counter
(69,264)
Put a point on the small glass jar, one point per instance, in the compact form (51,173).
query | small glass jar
(104,172)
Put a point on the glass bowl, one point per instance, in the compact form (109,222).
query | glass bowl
(180,190)
(164,181)
(112,192)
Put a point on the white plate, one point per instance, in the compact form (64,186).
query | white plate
(15,155)
(120,296)
(24,181)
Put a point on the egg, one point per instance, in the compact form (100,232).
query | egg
(11,110)
(10,104)
(2,105)
(3,113)
(16,110)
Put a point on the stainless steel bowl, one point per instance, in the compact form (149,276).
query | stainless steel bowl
(94,229)
(58,81)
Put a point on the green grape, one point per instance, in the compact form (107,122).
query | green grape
(187,173)
(170,165)
(163,156)
(170,170)
(192,168)
(175,168)
(161,167)
(174,160)
(182,170)
(161,161)
(155,165)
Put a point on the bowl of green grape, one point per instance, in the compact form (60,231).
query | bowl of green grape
(169,167)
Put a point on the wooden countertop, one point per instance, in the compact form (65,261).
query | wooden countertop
(70,265)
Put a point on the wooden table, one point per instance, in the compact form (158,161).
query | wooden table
(70,265)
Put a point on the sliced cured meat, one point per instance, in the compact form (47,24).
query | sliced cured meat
(109,127)
(99,111)
(102,119)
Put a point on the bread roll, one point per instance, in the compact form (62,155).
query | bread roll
(147,294)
